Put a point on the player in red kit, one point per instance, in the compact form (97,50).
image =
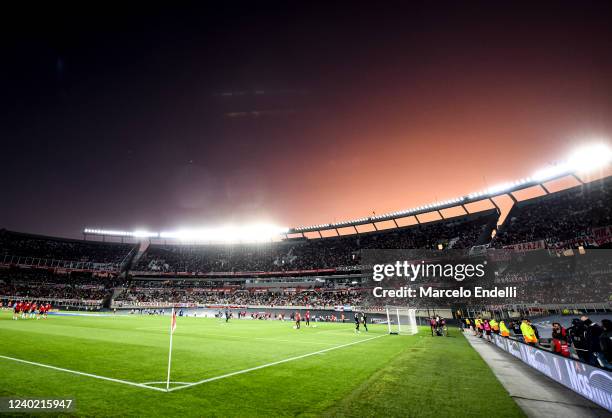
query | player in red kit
(307,318)
(25,309)
(16,309)
(297,320)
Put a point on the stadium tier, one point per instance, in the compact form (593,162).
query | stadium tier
(193,293)
(557,279)
(579,215)
(323,253)
(35,250)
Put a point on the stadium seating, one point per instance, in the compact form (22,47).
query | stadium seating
(305,254)
(67,289)
(564,280)
(141,293)
(14,244)
(560,219)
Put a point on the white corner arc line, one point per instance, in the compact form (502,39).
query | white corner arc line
(95,376)
(263,366)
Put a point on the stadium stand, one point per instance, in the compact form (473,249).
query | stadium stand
(74,289)
(19,248)
(561,219)
(560,279)
(306,254)
(142,293)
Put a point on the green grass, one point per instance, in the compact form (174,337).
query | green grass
(387,376)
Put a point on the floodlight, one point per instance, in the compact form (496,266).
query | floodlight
(583,160)
(499,188)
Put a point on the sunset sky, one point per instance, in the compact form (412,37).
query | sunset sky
(169,117)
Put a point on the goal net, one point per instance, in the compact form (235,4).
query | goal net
(401,320)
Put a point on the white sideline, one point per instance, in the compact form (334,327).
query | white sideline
(263,366)
(95,376)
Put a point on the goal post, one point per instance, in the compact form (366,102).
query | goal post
(401,320)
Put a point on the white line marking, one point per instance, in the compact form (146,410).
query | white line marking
(95,376)
(164,382)
(263,366)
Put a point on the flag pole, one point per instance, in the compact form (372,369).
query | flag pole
(170,351)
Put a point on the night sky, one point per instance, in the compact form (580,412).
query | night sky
(293,114)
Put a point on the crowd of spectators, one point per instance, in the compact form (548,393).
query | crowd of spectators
(585,340)
(52,292)
(141,293)
(545,278)
(33,246)
(49,286)
(560,217)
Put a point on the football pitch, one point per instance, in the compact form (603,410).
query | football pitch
(117,366)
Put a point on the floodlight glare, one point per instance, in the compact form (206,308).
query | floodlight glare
(551,172)
(583,160)
(589,158)
(144,234)
(228,234)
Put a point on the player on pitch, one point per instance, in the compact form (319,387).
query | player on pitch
(297,320)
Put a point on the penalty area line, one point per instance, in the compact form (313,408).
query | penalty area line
(263,366)
(95,376)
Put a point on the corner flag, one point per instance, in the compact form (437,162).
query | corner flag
(172,328)
(173,324)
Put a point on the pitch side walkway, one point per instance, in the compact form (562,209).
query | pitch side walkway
(537,395)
